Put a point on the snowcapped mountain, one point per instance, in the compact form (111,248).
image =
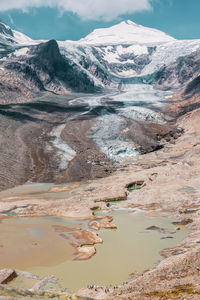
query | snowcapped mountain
(9,36)
(126,32)
(106,58)
(10,40)
(127,50)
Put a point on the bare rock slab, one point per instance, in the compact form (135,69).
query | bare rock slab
(7,275)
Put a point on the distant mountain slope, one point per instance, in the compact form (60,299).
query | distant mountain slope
(9,36)
(193,87)
(41,68)
(180,72)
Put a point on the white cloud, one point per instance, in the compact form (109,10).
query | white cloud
(86,9)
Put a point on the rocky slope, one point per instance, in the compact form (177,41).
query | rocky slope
(179,73)
(41,68)
(12,37)
(193,87)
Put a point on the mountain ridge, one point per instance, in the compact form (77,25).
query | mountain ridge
(10,36)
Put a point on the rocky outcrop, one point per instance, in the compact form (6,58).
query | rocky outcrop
(193,87)
(47,58)
(179,73)
(98,70)
(123,64)
(45,69)
(16,294)
(82,240)
(5,29)
(102,222)
(7,275)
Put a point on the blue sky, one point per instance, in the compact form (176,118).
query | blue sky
(73,19)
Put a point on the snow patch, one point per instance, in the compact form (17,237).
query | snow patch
(64,153)
(21,38)
(21,52)
(127,73)
(136,49)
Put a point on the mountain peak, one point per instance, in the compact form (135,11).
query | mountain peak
(10,36)
(126,32)
(5,29)
(128,22)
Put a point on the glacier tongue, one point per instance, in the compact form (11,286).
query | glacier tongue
(138,102)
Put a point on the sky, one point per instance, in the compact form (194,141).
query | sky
(74,19)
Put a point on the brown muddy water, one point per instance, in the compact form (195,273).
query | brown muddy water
(32,244)
(38,190)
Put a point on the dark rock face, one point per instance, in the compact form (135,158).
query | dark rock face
(180,72)
(156,228)
(48,70)
(5,30)
(193,87)
(6,40)
(127,61)
(28,71)
(150,137)
(97,70)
